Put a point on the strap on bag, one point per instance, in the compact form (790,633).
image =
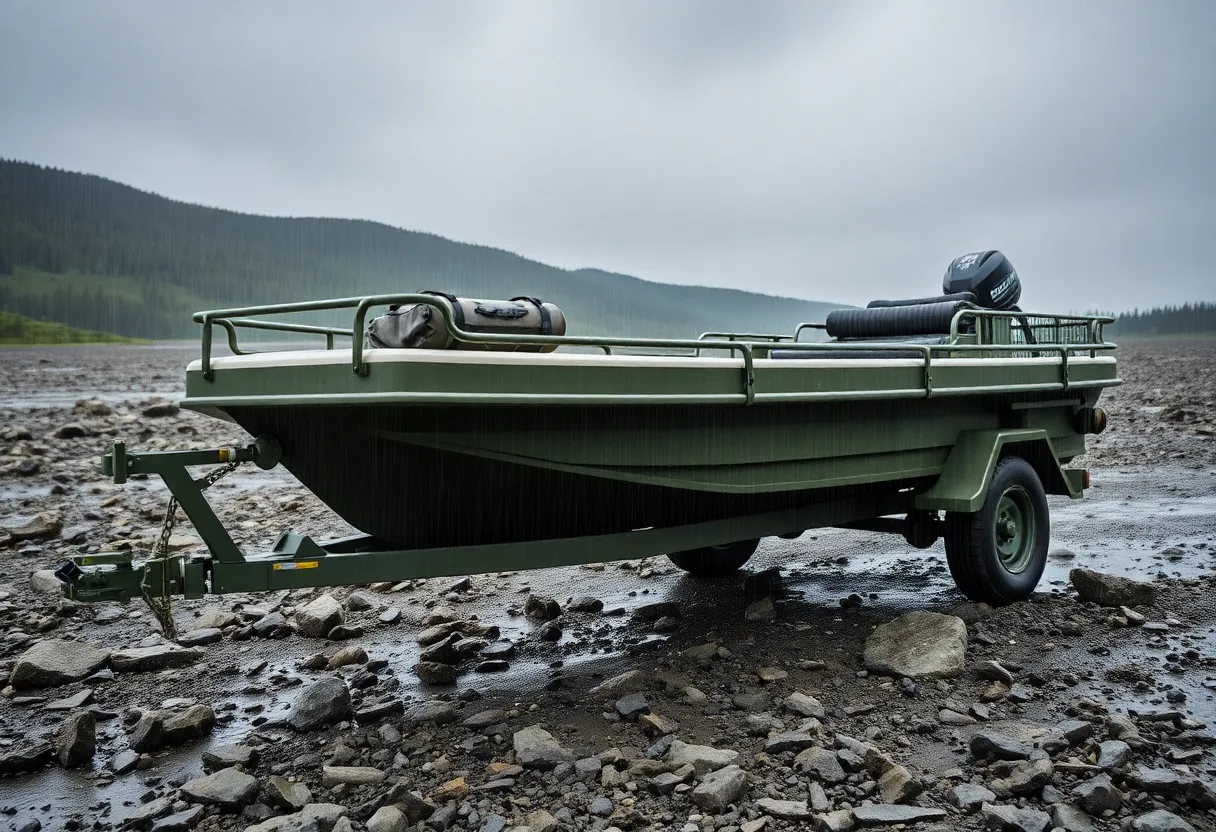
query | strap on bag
(546,321)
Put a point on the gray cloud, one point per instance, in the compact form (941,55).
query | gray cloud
(827,151)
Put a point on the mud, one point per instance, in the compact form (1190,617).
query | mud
(1150,515)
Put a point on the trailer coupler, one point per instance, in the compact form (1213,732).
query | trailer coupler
(115,576)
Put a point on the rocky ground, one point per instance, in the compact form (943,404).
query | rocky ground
(837,684)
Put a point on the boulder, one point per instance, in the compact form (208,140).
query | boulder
(537,748)
(919,645)
(160,657)
(53,662)
(323,702)
(319,616)
(1111,590)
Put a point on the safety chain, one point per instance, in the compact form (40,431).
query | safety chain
(160,604)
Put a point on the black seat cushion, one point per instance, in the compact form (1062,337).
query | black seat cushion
(895,321)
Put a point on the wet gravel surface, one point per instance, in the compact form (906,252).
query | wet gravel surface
(796,622)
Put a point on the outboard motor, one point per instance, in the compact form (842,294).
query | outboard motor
(992,279)
(986,274)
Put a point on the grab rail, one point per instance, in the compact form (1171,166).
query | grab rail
(230,319)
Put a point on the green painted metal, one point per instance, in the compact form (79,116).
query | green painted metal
(1015,529)
(662,446)
(964,479)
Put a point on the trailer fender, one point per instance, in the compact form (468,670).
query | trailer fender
(968,470)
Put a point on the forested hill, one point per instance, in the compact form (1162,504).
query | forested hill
(93,253)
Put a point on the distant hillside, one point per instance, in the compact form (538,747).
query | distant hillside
(15,329)
(92,253)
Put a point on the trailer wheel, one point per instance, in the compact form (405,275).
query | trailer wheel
(997,554)
(715,561)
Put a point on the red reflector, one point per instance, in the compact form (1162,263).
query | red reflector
(1085,479)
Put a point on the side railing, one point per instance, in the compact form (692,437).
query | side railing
(748,345)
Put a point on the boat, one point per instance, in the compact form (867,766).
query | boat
(466,435)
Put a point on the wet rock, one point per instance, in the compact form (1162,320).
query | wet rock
(321,703)
(804,705)
(1098,794)
(550,631)
(436,673)
(360,601)
(44,582)
(600,807)
(1174,785)
(273,625)
(897,785)
(388,819)
(200,637)
(184,821)
(789,741)
(1070,818)
(821,764)
(994,671)
(540,608)
(284,794)
(226,756)
(157,729)
(762,610)
(989,744)
(72,430)
(1159,820)
(344,632)
(54,662)
(1111,590)
(315,817)
(41,527)
(347,655)
(1113,754)
(228,789)
(702,758)
(884,814)
(632,706)
(720,788)
(1025,778)
(77,740)
(585,603)
(537,748)
(1012,819)
(30,756)
(784,809)
(443,651)
(71,703)
(919,645)
(434,712)
(124,761)
(350,775)
(319,616)
(160,657)
(161,410)
(969,796)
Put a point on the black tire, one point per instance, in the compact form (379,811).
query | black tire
(715,561)
(1001,565)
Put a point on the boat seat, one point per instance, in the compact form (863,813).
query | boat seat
(889,325)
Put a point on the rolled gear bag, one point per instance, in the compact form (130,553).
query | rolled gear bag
(421,326)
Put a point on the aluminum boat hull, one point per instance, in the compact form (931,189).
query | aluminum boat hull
(401,456)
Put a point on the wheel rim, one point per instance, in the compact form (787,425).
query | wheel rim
(1015,529)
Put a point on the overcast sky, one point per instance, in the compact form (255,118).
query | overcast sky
(824,150)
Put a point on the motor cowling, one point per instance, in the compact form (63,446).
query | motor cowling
(986,274)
